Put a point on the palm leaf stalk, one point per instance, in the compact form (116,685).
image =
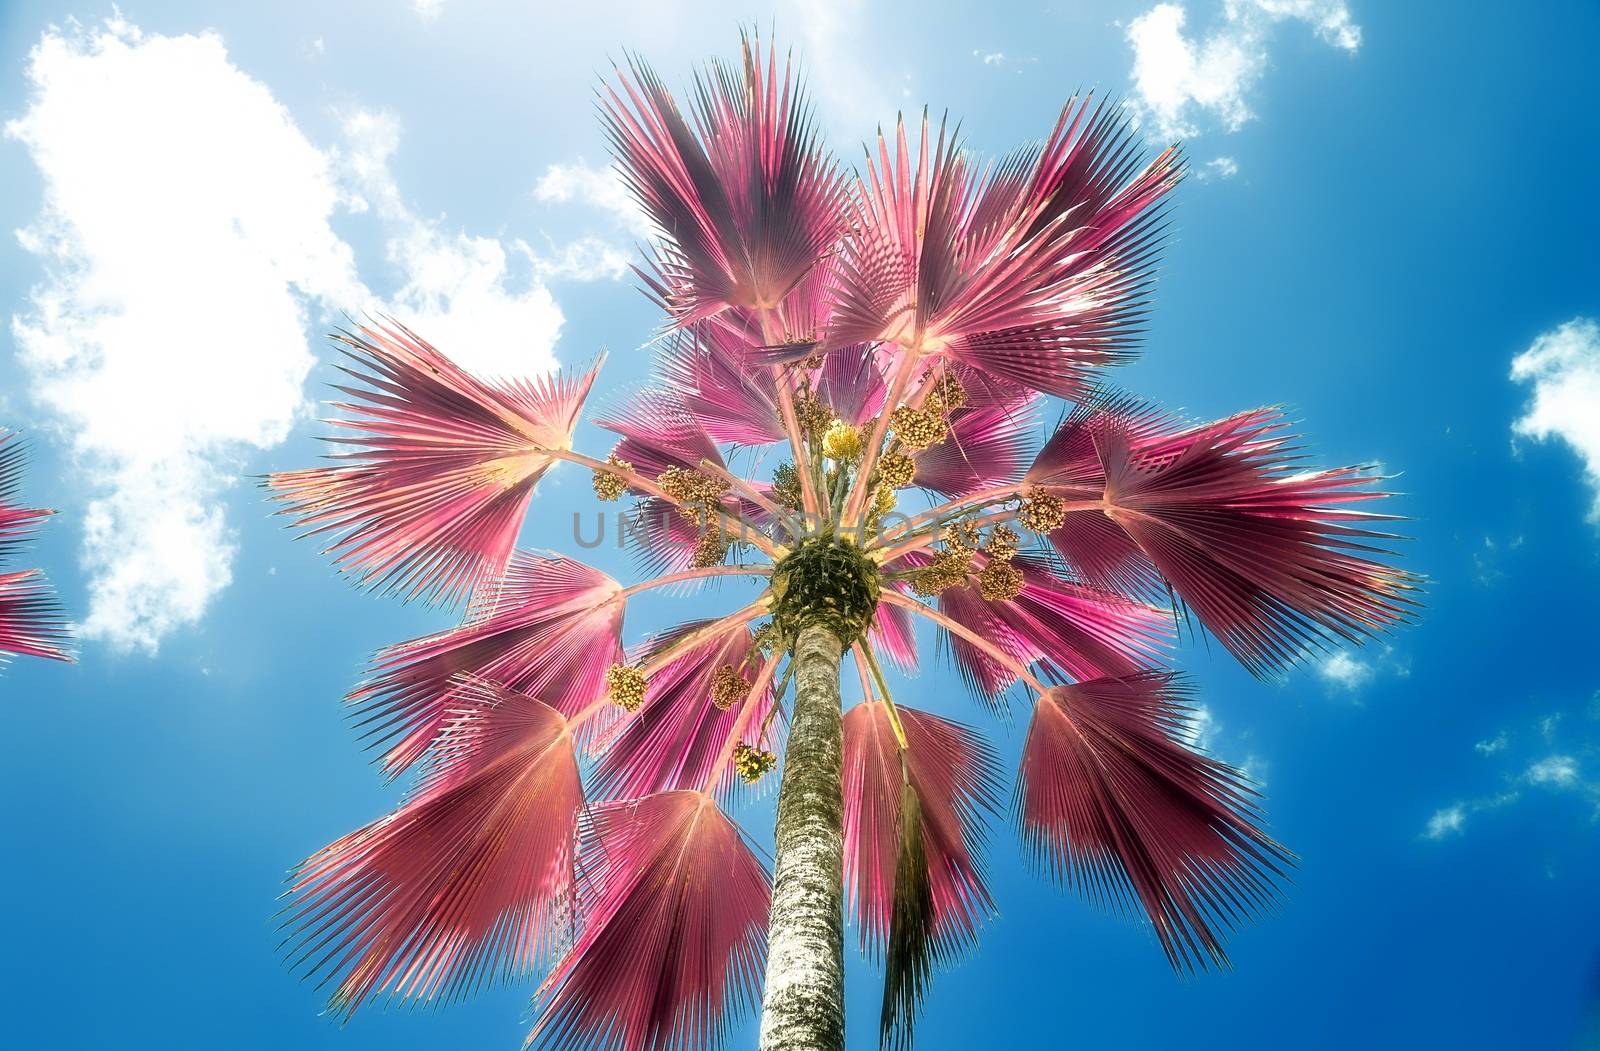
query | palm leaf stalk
(835,347)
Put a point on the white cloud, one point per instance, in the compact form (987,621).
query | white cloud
(989,58)
(1219,168)
(185,238)
(460,293)
(1564,367)
(1202,729)
(1497,744)
(1255,769)
(1561,771)
(1558,770)
(1450,820)
(586,259)
(428,9)
(1177,78)
(169,335)
(1344,670)
(600,188)
(846,77)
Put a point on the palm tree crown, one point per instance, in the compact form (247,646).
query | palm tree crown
(849,405)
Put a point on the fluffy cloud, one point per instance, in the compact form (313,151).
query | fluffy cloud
(1449,820)
(1345,671)
(1201,731)
(1563,365)
(1178,79)
(169,336)
(169,333)
(1496,744)
(1556,771)
(1561,771)
(461,291)
(581,183)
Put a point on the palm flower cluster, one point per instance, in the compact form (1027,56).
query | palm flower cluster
(848,405)
(31,622)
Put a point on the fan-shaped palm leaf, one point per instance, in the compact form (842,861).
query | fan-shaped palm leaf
(1265,553)
(952,776)
(675,739)
(438,466)
(462,883)
(31,621)
(551,628)
(1111,802)
(1072,631)
(674,930)
(744,197)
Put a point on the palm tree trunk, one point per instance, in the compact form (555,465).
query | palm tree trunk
(803,1006)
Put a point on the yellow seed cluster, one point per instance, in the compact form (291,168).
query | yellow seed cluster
(918,428)
(786,486)
(961,536)
(728,687)
(752,762)
(814,417)
(688,486)
(883,501)
(608,486)
(896,470)
(1003,543)
(1042,512)
(842,442)
(946,393)
(712,546)
(1000,581)
(625,686)
(948,569)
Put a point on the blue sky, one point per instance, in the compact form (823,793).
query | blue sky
(1393,204)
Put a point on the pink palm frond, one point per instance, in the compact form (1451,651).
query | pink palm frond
(914,832)
(16,522)
(551,628)
(31,621)
(1027,271)
(658,431)
(894,634)
(1268,555)
(953,773)
(1074,632)
(987,445)
(713,373)
(1111,802)
(1068,464)
(463,883)
(743,195)
(675,739)
(903,263)
(851,384)
(664,540)
(674,930)
(437,469)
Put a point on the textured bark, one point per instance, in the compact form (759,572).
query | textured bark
(803,1005)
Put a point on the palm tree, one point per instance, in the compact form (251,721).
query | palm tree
(835,346)
(31,622)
